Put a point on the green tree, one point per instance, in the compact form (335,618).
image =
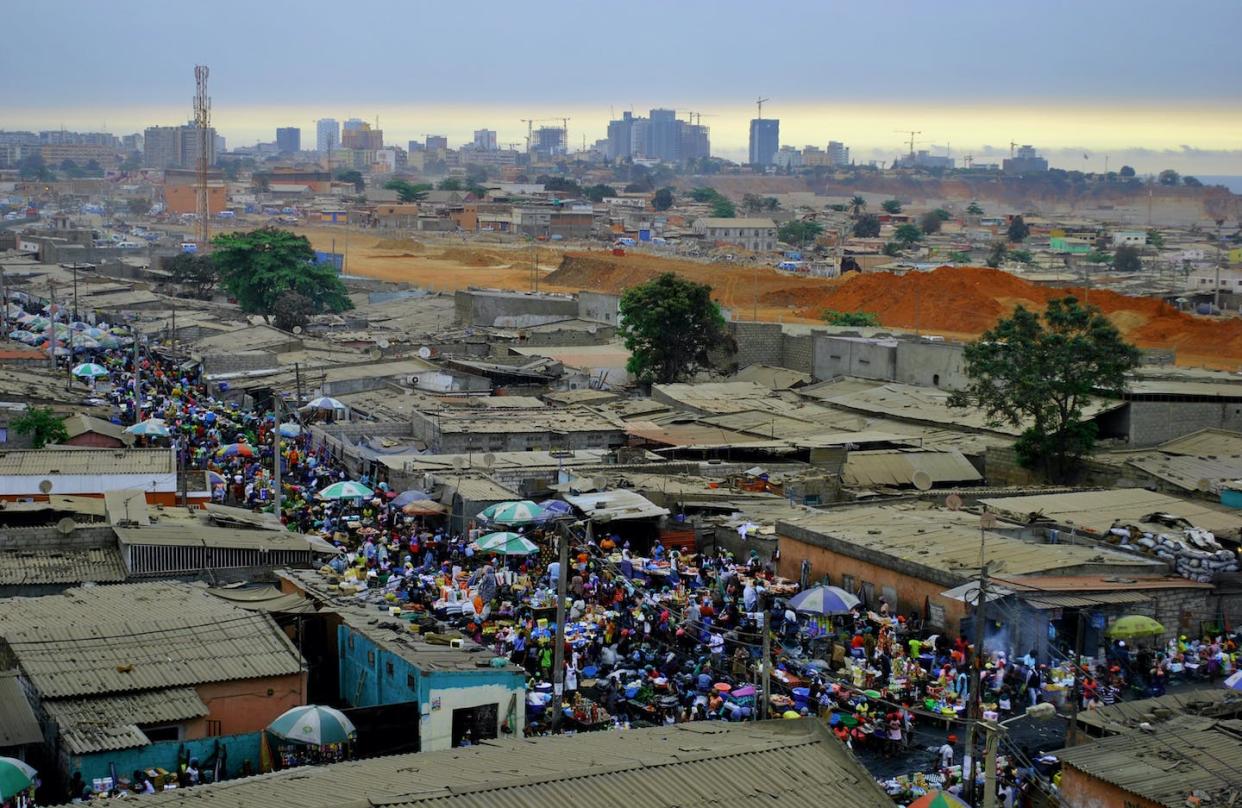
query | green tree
(974,209)
(1018,230)
(259,266)
(407,191)
(292,310)
(32,167)
(354,177)
(1154,239)
(138,206)
(1192,182)
(908,234)
(132,163)
(867,226)
(1097,257)
(752,203)
(799,231)
(598,192)
(663,199)
(704,194)
(770,204)
(1126,259)
(861,319)
(891,205)
(930,222)
(670,326)
(42,425)
(857,205)
(1041,373)
(723,208)
(1168,177)
(1021,256)
(891,249)
(196,271)
(563,186)
(450,184)
(959,257)
(998,254)
(1126,171)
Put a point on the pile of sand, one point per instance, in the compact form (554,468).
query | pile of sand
(399,244)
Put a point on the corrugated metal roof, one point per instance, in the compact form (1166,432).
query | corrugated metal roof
(216,537)
(112,722)
(1063,600)
(1206,442)
(1179,756)
(75,565)
(133,637)
(697,764)
(127,505)
(18,725)
(897,468)
(1188,472)
(618,504)
(1095,511)
(32,462)
(1202,701)
(474,489)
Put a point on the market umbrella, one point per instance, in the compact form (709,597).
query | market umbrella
(422,507)
(825,600)
(235,450)
(938,799)
(1134,625)
(22,335)
(506,543)
(312,724)
(1234,681)
(553,508)
(216,478)
(406,497)
(346,489)
(15,777)
(151,428)
(289,430)
(90,370)
(517,512)
(324,403)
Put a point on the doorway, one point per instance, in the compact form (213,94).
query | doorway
(479,722)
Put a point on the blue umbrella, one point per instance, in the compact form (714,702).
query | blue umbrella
(825,600)
(406,497)
(556,507)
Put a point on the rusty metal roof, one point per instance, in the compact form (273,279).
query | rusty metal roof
(112,722)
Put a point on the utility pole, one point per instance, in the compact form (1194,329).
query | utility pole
(137,377)
(986,520)
(51,329)
(765,665)
(173,335)
(1071,738)
(276,452)
(4,294)
(202,122)
(994,732)
(558,651)
(75,290)
(1220,257)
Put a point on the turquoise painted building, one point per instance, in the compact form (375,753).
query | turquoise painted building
(1068,244)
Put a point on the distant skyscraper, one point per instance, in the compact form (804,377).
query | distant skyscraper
(485,139)
(765,141)
(695,142)
(354,123)
(327,134)
(289,140)
(1027,161)
(663,136)
(619,137)
(437,143)
(176,146)
(549,141)
(838,153)
(362,137)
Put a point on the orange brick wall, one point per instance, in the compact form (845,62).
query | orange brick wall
(245,706)
(1084,791)
(184,198)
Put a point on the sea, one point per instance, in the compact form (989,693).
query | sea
(1232,182)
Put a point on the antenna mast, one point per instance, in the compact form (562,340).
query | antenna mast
(202,120)
(759,102)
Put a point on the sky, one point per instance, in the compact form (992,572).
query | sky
(1153,85)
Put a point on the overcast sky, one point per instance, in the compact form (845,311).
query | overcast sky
(1096,77)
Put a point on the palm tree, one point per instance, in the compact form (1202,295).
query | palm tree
(974,210)
(857,204)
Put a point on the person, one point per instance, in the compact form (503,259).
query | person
(946,752)
(192,773)
(571,680)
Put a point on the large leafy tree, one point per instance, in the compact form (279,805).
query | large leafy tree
(1018,230)
(891,205)
(670,326)
(908,234)
(260,266)
(1040,373)
(196,271)
(42,425)
(662,200)
(867,226)
(408,191)
(799,231)
(354,176)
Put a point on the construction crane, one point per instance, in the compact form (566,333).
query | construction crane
(696,118)
(760,102)
(912,133)
(202,120)
(1012,146)
(530,129)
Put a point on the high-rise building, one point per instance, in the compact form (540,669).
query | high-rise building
(838,153)
(765,141)
(132,142)
(619,137)
(485,139)
(176,146)
(663,141)
(362,137)
(695,142)
(1027,161)
(289,140)
(436,143)
(548,141)
(327,134)
(354,123)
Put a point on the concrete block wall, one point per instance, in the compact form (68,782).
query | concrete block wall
(1001,467)
(758,343)
(797,352)
(1153,422)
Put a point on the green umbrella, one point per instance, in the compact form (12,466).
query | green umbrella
(938,799)
(15,777)
(505,543)
(1134,625)
(518,512)
(313,725)
(346,490)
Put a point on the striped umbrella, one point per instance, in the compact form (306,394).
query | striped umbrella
(324,403)
(235,450)
(346,489)
(151,428)
(826,600)
(15,777)
(314,725)
(938,799)
(506,543)
(553,508)
(90,370)
(517,512)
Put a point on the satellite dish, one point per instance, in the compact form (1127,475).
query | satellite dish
(489,460)
(921,479)
(382,343)
(424,352)
(953,502)
(988,520)
(66,526)
(45,486)
(297,329)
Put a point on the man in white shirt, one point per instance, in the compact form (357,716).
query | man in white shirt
(946,752)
